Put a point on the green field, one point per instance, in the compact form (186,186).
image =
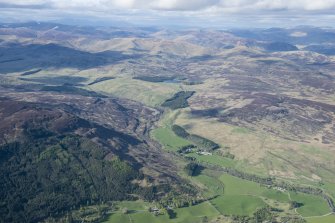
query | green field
(237,186)
(117,217)
(168,139)
(313,205)
(325,219)
(147,218)
(213,185)
(330,187)
(238,204)
(196,213)
(246,196)
(275,195)
(238,196)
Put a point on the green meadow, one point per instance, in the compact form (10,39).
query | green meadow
(168,139)
(325,219)
(312,205)
(238,204)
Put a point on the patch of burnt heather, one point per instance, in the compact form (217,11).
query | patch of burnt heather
(211,112)
(247,84)
(154,79)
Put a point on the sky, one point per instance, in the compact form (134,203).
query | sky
(174,13)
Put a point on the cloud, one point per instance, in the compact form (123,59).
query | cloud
(24,2)
(183,5)
(176,12)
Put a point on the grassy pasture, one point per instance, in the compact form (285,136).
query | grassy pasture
(242,197)
(275,195)
(325,219)
(214,159)
(196,213)
(238,204)
(168,139)
(313,205)
(330,187)
(238,196)
(237,186)
(213,185)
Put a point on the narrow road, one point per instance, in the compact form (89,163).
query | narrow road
(325,215)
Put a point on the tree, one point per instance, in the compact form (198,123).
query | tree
(191,168)
(263,214)
(172,214)
(295,204)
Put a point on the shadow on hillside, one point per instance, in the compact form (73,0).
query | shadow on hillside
(21,58)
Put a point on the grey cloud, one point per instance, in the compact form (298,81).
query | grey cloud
(32,6)
(177,12)
(187,5)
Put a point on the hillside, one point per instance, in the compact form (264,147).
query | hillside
(166,125)
(53,162)
(47,169)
